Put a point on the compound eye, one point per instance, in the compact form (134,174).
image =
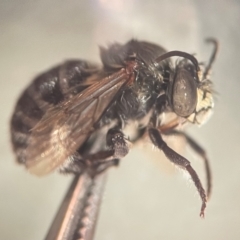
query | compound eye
(184,93)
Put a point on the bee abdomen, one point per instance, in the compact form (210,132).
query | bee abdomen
(26,116)
(46,90)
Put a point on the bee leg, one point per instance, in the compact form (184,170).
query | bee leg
(118,148)
(102,160)
(104,166)
(76,165)
(200,151)
(117,142)
(98,162)
(179,160)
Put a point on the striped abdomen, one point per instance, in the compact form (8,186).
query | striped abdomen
(50,88)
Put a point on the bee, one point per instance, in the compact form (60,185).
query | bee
(76,116)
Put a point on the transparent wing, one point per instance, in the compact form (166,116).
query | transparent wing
(65,127)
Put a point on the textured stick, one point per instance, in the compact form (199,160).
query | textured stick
(77,215)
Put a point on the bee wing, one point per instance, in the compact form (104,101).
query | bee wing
(65,127)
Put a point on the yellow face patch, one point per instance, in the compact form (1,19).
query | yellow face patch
(203,109)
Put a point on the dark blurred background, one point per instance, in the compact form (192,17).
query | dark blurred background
(146,197)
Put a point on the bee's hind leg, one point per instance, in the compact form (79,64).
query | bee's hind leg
(117,148)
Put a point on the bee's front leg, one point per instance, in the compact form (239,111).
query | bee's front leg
(199,151)
(179,160)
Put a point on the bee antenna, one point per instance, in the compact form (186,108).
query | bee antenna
(179,54)
(212,57)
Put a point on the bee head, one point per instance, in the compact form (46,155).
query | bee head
(190,97)
(189,90)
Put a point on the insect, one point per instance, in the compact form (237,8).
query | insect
(71,110)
